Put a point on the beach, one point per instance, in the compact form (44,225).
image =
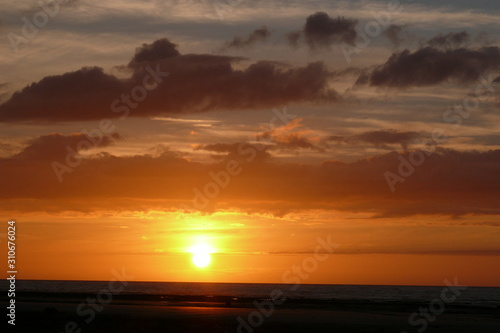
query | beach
(77,313)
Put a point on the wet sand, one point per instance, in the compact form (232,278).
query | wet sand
(56,313)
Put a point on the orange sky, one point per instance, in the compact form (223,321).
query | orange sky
(257,248)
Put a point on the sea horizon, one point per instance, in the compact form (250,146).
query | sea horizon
(265,283)
(203,291)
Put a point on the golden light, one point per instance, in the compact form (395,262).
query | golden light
(201,255)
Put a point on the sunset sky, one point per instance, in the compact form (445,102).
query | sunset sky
(132,133)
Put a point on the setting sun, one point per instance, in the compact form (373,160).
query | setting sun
(201,255)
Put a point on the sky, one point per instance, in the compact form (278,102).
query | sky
(335,142)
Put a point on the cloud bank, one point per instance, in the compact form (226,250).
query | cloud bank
(448,183)
(163,81)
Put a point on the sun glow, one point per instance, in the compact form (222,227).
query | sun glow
(201,255)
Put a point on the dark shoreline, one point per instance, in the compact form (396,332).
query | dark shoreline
(221,300)
(51,312)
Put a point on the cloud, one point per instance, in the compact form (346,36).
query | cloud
(395,33)
(450,40)
(430,66)
(294,38)
(181,83)
(287,137)
(259,35)
(4,91)
(497,80)
(322,31)
(81,95)
(235,151)
(449,182)
(381,138)
(295,141)
(54,146)
(158,50)
(7,149)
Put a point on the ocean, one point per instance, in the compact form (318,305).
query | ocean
(472,296)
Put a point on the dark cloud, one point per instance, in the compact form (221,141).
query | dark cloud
(294,38)
(395,33)
(447,182)
(382,138)
(4,91)
(54,146)
(497,80)
(295,141)
(81,95)
(158,50)
(185,83)
(259,35)
(235,151)
(430,66)
(450,40)
(322,31)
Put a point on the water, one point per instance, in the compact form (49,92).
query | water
(475,296)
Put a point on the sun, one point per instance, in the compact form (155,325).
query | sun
(201,259)
(201,255)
